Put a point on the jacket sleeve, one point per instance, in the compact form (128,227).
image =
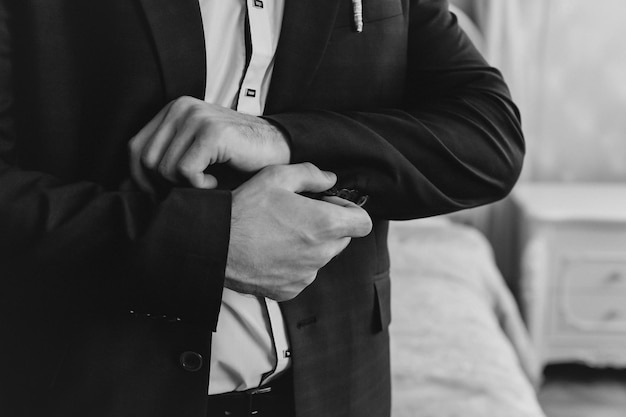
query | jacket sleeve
(455,142)
(77,243)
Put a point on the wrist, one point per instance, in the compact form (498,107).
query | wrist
(281,143)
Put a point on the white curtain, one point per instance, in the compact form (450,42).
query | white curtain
(565,61)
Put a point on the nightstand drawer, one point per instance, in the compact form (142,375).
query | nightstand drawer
(593,313)
(593,276)
(572,270)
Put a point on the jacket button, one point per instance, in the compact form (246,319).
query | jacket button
(191,361)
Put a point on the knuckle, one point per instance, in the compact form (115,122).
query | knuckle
(148,160)
(163,170)
(203,133)
(186,100)
(194,117)
(209,144)
(310,237)
(181,103)
(133,146)
(185,169)
(309,169)
(178,105)
(195,114)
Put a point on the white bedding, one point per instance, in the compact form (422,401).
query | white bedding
(458,345)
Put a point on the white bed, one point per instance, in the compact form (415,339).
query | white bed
(458,346)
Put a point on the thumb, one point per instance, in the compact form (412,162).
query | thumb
(299,178)
(203,181)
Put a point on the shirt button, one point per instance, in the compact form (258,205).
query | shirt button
(191,361)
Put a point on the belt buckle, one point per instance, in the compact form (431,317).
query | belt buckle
(260,390)
(254,393)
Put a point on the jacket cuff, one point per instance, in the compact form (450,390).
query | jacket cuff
(182,257)
(304,143)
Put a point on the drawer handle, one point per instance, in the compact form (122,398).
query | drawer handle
(614,278)
(611,315)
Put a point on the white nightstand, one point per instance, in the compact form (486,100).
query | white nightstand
(573,271)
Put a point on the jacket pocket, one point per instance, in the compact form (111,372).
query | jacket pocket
(373,10)
(382,313)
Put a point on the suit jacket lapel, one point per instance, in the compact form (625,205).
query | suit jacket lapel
(306,29)
(176,27)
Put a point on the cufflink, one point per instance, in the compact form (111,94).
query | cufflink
(355,196)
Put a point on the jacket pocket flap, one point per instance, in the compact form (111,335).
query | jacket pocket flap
(382,287)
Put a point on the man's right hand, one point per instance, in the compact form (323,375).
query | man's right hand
(279,239)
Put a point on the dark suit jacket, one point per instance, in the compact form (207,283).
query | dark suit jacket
(407,111)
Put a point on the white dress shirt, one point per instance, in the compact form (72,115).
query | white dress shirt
(250,346)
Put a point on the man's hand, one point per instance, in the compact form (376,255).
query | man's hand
(189,135)
(280,239)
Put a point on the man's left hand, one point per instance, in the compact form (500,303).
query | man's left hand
(189,135)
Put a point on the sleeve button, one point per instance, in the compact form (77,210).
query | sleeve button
(191,361)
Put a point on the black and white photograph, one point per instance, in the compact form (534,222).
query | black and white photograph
(312,208)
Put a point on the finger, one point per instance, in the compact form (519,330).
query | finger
(138,142)
(159,141)
(359,223)
(349,219)
(136,146)
(142,181)
(338,201)
(200,153)
(169,164)
(203,181)
(299,178)
(139,176)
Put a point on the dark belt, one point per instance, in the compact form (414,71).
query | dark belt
(272,400)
